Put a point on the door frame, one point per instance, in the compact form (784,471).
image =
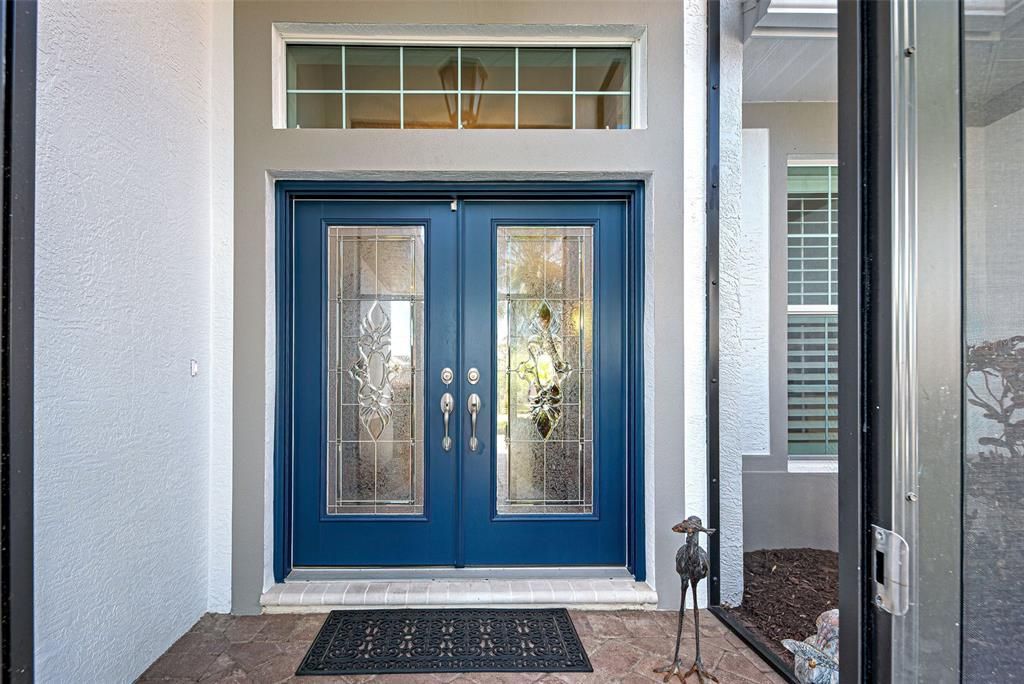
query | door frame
(17,196)
(287,192)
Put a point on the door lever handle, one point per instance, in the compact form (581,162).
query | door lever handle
(473,404)
(447,406)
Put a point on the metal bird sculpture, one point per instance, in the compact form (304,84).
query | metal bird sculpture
(692,565)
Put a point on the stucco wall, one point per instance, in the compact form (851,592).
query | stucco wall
(123,302)
(655,154)
(782,509)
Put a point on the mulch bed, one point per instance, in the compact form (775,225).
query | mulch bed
(784,591)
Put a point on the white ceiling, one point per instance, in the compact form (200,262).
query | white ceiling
(994,71)
(789,69)
(792,57)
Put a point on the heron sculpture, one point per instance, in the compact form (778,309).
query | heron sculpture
(692,565)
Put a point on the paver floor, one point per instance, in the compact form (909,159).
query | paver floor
(624,646)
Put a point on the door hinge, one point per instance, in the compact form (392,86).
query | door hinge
(890,570)
(455,205)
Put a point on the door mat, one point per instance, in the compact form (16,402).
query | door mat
(417,641)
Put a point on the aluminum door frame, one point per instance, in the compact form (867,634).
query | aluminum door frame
(18,41)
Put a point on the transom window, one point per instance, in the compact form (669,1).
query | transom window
(812,310)
(385,86)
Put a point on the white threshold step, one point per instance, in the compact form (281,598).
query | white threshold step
(311,596)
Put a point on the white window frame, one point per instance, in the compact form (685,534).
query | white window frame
(629,36)
(806,463)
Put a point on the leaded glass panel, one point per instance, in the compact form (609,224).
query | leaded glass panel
(545,369)
(375,370)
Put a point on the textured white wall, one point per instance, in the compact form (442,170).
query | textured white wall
(694,300)
(744,277)
(222,211)
(123,292)
(735,336)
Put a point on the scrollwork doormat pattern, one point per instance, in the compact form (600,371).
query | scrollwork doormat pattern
(446,640)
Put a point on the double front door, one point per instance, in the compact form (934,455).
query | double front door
(459,375)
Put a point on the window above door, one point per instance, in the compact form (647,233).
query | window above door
(458,77)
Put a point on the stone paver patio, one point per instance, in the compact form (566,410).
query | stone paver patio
(624,646)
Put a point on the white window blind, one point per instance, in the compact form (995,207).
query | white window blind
(812,325)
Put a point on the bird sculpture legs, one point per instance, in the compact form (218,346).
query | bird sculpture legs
(676,666)
(698,664)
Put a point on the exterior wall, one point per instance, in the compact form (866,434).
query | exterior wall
(123,302)
(742,357)
(655,154)
(790,510)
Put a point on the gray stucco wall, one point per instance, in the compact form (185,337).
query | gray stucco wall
(654,154)
(782,509)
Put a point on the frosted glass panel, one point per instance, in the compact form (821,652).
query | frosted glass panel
(545,458)
(375,370)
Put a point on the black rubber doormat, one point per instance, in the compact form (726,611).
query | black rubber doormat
(416,641)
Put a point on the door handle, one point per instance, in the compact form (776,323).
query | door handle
(473,404)
(447,405)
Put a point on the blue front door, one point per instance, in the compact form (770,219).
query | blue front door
(459,383)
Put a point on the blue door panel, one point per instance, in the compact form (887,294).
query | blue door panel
(339,540)
(460,524)
(595,539)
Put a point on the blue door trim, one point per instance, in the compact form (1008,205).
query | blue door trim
(632,192)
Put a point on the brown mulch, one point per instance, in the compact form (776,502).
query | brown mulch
(784,591)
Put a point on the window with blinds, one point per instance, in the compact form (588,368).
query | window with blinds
(812,325)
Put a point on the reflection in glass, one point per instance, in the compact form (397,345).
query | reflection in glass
(602,111)
(993,238)
(313,67)
(545,111)
(366,110)
(479,87)
(602,69)
(375,370)
(499,65)
(314,110)
(428,111)
(423,67)
(372,68)
(545,69)
(493,111)
(545,370)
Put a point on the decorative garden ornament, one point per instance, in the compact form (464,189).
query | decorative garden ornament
(817,656)
(692,565)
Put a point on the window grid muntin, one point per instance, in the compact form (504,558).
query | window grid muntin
(800,312)
(402,92)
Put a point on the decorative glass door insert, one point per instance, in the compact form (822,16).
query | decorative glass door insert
(375,383)
(544,369)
